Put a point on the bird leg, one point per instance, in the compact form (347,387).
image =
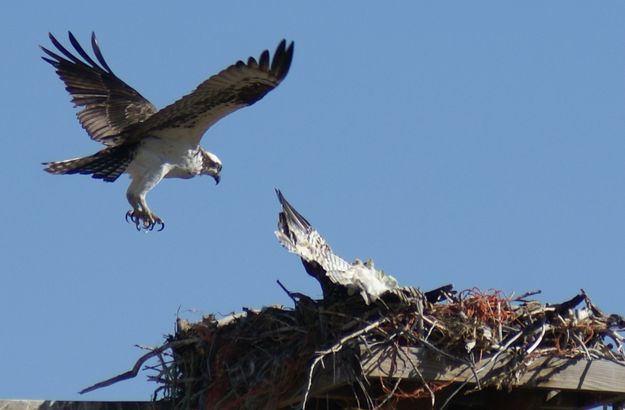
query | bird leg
(141,216)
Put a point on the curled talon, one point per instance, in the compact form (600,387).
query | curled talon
(130,217)
(144,220)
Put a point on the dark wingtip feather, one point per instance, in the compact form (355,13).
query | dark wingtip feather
(282,59)
(251,62)
(56,59)
(53,61)
(289,58)
(278,55)
(51,37)
(63,50)
(264,60)
(98,53)
(281,46)
(281,198)
(291,213)
(80,50)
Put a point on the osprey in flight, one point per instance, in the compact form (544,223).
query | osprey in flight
(147,143)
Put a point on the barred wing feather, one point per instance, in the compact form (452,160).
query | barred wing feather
(240,85)
(109,105)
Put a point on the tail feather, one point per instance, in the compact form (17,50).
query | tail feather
(107,164)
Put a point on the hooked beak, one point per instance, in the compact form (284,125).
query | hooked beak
(217,178)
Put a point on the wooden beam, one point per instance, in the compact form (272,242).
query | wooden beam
(83,405)
(545,372)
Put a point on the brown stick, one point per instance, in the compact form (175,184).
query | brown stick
(137,367)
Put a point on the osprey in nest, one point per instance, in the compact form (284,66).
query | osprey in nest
(337,277)
(334,273)
(147,143)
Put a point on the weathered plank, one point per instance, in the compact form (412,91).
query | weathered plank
(564,383)
(554,373)
(83,405)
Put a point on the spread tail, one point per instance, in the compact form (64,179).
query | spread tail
(107,164)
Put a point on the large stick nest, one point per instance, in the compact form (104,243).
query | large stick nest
(259,358)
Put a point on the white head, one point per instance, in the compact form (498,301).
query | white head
(211,165)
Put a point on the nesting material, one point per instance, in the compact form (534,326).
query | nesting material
(261,358)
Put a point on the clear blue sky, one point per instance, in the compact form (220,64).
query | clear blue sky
(477,143)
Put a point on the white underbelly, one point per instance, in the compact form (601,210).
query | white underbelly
(174,160)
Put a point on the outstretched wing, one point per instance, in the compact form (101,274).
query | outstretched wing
(297,235)
(237,86)
(109,104)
